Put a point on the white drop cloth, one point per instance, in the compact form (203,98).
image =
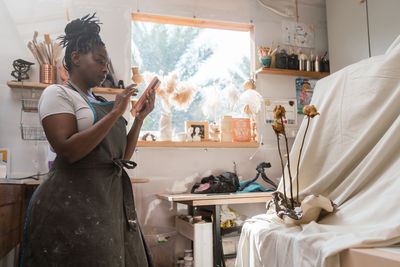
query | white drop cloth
(352,156)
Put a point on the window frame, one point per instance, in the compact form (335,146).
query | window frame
(201,23)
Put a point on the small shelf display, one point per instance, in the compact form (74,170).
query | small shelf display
(30,105)
(29,122)
(32,133)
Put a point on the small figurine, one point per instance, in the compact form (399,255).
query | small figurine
(214,132)
(21,67)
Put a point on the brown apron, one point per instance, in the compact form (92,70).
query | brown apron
(84,214)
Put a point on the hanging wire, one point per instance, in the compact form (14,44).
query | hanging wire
(194,9)
(137,6)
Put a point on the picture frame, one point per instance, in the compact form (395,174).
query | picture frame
(241,130)
(202,132)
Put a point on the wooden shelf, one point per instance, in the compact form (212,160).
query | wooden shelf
(42,86)
(203,144)
(299,73)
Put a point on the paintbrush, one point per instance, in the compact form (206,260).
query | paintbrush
(47,41)
(56,52)
(32,48)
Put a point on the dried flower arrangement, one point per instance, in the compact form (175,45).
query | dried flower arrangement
(173,92)
(292,210)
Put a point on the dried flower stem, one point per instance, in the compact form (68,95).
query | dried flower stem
(283,168)
(298,162)
(290,174)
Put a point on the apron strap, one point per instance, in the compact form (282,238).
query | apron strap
(71,84)
(129,204)
(76,88)
(123,163)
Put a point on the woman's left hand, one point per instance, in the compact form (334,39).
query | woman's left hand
(148,106)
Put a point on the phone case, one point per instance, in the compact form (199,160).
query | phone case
(142,100)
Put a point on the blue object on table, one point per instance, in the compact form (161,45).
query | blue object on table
(253,187)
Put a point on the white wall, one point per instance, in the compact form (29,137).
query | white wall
(361,30)
(165,167)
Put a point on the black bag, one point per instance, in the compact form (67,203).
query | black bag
(227,182)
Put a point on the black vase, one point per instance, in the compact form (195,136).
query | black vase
(281,60)
(293,62)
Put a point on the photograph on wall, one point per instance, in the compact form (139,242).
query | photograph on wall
(304,92)
(290,106)
(298,34)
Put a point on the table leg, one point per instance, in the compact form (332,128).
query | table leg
(217,240)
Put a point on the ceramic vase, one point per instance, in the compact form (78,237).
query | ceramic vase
(136,77)
(166,127)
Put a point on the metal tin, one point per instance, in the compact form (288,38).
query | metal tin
(48,74)
(302,64)
(317,65)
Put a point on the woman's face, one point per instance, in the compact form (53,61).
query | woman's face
(92,66)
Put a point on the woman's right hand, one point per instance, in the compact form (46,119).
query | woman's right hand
(122,99)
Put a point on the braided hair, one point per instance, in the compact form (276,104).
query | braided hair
(81,35)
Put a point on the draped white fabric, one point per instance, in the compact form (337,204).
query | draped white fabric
(352,156)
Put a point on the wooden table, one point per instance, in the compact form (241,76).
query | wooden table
(212,203)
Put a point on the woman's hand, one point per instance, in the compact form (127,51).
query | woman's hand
(148,106)
(122,99)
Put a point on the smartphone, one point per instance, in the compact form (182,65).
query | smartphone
(142,100)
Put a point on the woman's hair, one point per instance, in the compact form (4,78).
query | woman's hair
(81,35)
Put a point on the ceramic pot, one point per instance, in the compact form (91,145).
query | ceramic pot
(136,77)
(265,61)
(165,127)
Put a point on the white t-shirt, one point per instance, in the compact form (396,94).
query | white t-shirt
(57,99)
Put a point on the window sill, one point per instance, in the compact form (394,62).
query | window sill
(203,144)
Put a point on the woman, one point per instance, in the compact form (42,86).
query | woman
(84,213)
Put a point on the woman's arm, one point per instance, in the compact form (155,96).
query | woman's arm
(133,134)
(62,133)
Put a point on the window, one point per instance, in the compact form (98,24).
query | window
(208,56)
